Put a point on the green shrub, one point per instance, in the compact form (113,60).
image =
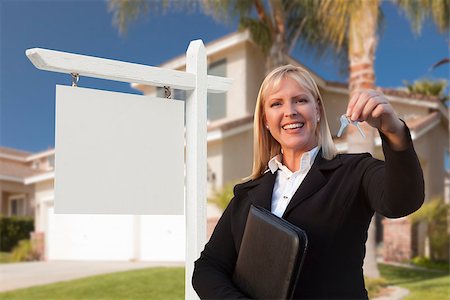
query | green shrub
(435,213)
(427,263)
(374,286)
(24,252)
(14,229)
(5,257)
(223,196)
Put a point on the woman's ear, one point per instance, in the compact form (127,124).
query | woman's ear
(318,113)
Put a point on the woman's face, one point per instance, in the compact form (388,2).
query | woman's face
(292,114)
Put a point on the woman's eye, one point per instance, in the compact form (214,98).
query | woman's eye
(301,100)
(273,104)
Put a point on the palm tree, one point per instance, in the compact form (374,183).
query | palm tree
(356,23)
(126,11)
(276,26)
(428,87)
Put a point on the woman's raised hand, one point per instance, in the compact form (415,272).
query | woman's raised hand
(374,108)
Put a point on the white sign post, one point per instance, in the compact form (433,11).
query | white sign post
(197,83)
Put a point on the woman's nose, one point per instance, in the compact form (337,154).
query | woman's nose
(290,111)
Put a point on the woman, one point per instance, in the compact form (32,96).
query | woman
(298,175)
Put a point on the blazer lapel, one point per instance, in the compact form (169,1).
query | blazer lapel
(314,180)
(261,195)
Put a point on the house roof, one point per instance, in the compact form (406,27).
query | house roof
(16,171)
(13,154)
(211,48)
(15,165)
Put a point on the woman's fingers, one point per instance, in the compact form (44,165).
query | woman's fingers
(361,104)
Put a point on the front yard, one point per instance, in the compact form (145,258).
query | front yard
(429,285)
(168,283)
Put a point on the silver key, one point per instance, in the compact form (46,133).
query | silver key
(359,128)
(345,121)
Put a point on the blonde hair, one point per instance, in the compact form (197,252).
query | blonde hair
(264,145)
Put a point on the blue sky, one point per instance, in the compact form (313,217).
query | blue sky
(27,95)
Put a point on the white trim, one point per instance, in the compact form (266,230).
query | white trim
(342,147)
(418,134)
(39,178)
(414,102)
(218,134)
(11,178)
(403,100)
(38,155)
(13,157)
(28,158)
(48,198)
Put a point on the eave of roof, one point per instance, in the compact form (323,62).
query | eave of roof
(211,48)
(23,156)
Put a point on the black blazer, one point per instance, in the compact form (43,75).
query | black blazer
(334,205)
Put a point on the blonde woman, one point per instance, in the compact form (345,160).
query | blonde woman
(298,175)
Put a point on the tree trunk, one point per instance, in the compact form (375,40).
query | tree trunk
(278,53)
(362,45)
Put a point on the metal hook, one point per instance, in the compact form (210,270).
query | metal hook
(167,92)
(75,79)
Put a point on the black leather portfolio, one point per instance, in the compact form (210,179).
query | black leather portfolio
(270,257)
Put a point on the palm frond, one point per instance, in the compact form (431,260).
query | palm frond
(228,10)
(126,11)
(259,32)
(417,11)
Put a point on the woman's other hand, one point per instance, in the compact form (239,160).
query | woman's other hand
(374,108)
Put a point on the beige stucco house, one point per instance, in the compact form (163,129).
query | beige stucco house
(230,139)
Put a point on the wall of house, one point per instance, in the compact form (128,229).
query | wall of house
(9,188)
(215,167)
(44,195)
(405,111)
(335,105)
(439,140)
(238,156)
(236,69)
(256,71)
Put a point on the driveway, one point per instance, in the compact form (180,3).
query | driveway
(27,274)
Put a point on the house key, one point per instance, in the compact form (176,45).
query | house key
(345,121)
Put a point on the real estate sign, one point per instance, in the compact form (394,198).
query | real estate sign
(118,153)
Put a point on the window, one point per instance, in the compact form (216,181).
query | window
(217,102)
(17,205)
(51,161)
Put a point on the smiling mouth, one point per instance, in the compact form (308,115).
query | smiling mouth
(293,126)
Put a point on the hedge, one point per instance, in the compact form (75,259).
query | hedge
(14,229)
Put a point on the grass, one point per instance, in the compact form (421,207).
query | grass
(374,285)
(151,283)
(5,257)
(168,283)
(430,285)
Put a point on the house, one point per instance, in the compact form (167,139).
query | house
(27,179)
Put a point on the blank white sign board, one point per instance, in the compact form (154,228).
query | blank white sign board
(118,153)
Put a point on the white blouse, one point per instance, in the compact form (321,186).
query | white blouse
(287,183)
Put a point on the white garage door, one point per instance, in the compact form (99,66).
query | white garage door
(114,237)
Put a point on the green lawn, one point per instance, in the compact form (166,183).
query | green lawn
(168,283)
(422,285)
(152,283)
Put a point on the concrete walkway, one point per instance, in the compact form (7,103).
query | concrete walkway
(393,293)
(27,274)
